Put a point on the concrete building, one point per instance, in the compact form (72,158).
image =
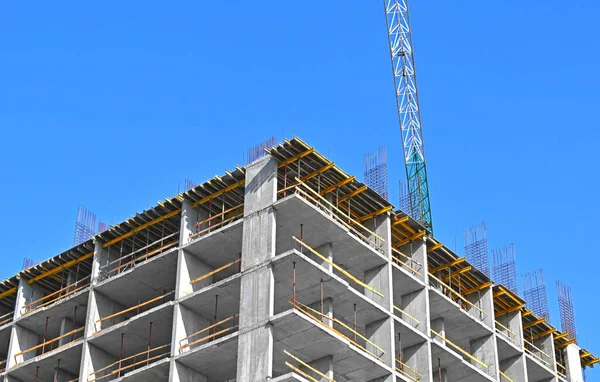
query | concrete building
(286,270)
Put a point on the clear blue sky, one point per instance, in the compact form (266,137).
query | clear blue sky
(111,105)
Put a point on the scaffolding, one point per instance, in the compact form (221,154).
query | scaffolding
(85,225)
(565,307)
(505,267)
(476,247)
(376,171)
(535,293)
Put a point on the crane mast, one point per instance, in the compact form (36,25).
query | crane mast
(405,81)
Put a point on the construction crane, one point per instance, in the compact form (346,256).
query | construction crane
(405,81)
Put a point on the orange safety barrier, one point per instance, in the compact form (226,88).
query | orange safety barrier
(210,336)
(235,212)
(132,366)
(204,276)
(6,318)
(52,341)
(138,306)
(29,308)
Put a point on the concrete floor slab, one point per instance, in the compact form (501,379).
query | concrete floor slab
(506,348)
(309,341)
(203,300)
(156,372)
(36,321)
(536,370)
(136,331)
(69,356)
(452,361)
(218,247)
(289,377)
(349,251)
(461,327)
(308,290)
(143,282)
(216,360)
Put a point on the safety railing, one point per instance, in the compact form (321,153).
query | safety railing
(314,315)
(459,349)
(472,309)
(6,318)
(137,308)
(505,377)
(129,260)
(537,353)
(48,345)
(407,371)
(210,333)
(561,370)
(506,332)
(58,295)
(337,267)
(355,227)
(127,364)
(305,374)
(2,366)
(220,269)
(409,263)
(212,223)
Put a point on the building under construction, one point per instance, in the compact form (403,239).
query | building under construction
(285,270)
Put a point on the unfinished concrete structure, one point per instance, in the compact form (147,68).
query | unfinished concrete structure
(285,270)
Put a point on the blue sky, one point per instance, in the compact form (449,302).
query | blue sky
(112,105)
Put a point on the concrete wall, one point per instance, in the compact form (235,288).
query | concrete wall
(102,306)
(187,322)
(21,339)
(182,373)
(515,368)
(190,267)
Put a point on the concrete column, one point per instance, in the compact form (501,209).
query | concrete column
(381,333)
(187,322)
(182,373)
(327,310)
(101,306)
(379,278)
(486,351)
(190,267)
(514,323)
(189,217)
(21,339)
(546,343)
(419,358)
(327,251)
(26,294)
(94,358)
(484,300)
(255,343)
(417,250)
(415,304)
(102,256)
(515,368)
(324,365)
(573,363)
(439,326)
(66,326)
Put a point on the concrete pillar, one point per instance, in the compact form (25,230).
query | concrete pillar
(323,365)
(486,351)
(189,267)
(573,363)
(182,373)
(327,310)
(255,342)
(415,304)
(514,323)
(546,343)
(419,358)
(379,278)
(439,327)
(515,368)
(102,257)
(26,294)
(66,326)
(101,306)
(189,217)
(21,339)
(327,251)
(417,250)
(94,358)
(187,322)
(381,333)
(484,300)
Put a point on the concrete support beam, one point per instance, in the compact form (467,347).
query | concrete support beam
(515,368)
(255,342)
(486,351)
(573,363)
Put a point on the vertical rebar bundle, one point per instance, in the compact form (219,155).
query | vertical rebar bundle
(404,201)
(535,293)
(102,227)
(476,247)
(189,184)
(27,263)
(376,171)
(565,307)
(505,267)
(258,151)
(84,226)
